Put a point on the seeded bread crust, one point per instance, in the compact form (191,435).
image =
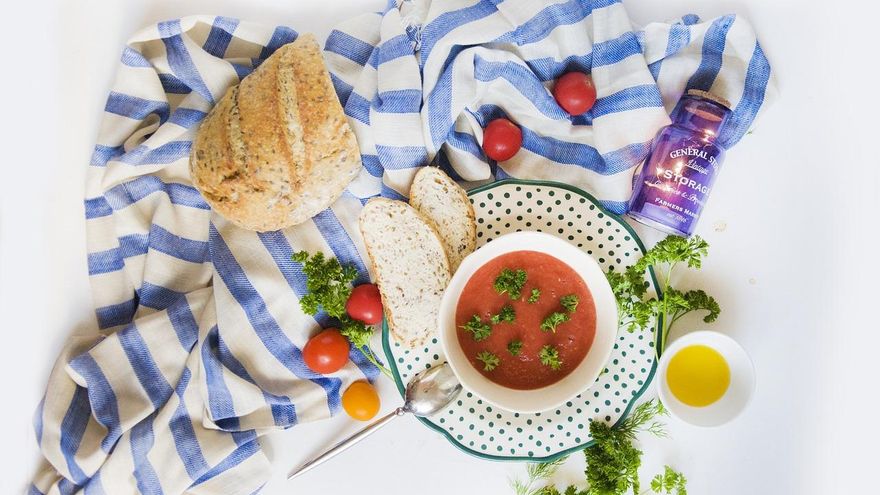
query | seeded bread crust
(409,265)
(277,149)
(445,205)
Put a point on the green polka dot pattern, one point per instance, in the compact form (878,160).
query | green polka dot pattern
(487,431)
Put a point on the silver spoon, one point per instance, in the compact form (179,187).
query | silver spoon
(427,392)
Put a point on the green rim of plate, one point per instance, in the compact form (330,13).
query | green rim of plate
(401,387)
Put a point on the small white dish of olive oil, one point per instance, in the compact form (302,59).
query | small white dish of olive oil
(705,378)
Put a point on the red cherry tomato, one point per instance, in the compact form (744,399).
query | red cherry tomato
(326,352)
(575,92)
(501,139)
(365,304)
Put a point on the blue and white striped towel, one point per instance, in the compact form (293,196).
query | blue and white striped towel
(200,328)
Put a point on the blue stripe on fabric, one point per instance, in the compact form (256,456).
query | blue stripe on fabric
(466,142)
(157,297)
(220,36)
(754,89)
(282,253)
(713,52)
(398,101)
(264,325)
(373,166)
(73,427)
(38,420)
(187,117)
(561,14)
(525,82)
(66,487)
(281,36)
(340,242)
(346,45)
(97,207)
(240,454)
(440,101)
(501,174)
(94,486)
(32,490)
(394,48)
(220,402)
(184,323)
(104,154)
(439,27)
(618,207)
(144,366)
(173,85)
(136,108)
(390,193)
(179,59)
(101,397)
(165,153)
(128,193)
(632,98)
(158,239)
(678,38)
(358,107)
(402,157)
(690,19)
(142,440)
(283,410)
(604,53)
(184,435)
(342,88)
(241,71)
(133,58)
(116,314)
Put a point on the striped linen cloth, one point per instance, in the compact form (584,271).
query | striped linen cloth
(199,349)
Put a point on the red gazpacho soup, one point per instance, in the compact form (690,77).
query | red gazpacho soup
(525,320)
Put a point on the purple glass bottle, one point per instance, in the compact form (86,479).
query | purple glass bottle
(678,174)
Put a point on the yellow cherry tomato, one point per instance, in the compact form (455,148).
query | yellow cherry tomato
(360,401)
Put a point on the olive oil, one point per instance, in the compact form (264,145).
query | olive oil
(698,375)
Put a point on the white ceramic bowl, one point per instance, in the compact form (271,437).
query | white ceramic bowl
(582,377)
(734,400)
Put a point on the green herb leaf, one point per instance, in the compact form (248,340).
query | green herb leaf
(669,482)
(613,462)
(514,347)
(570,303)
(506,315)
(490,361)
(536,294)
(553,320)
(329,285)
(478,329)
(549,356)
(675,249)
(537,472)
(510,282)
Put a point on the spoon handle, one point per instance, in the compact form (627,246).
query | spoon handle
(348,442)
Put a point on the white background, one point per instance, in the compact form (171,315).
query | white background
(795,269)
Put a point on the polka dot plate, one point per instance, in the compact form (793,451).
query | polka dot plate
(486,431)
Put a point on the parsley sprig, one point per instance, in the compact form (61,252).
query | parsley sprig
(514,347)
(506,315)
(510,282)
(613,461)
(534,296)
(553,320)
(490,361)
(478,330)
(328,283)
(637,311)
(570,302)
(549,357)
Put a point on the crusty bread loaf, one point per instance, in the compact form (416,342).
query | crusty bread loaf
(409,265)
(277,149)
(445,205)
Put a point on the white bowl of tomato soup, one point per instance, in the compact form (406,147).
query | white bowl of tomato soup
(528,322)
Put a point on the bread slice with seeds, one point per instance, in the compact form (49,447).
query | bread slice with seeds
(447,208)
(409,266)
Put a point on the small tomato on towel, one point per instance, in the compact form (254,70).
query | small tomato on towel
(501,139)
(360,401)
(365,304)
(575,92)
(326,352)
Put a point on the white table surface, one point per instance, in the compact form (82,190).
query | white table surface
(795,269)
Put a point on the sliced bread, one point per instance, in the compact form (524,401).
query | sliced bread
(409,265)
(445,205)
